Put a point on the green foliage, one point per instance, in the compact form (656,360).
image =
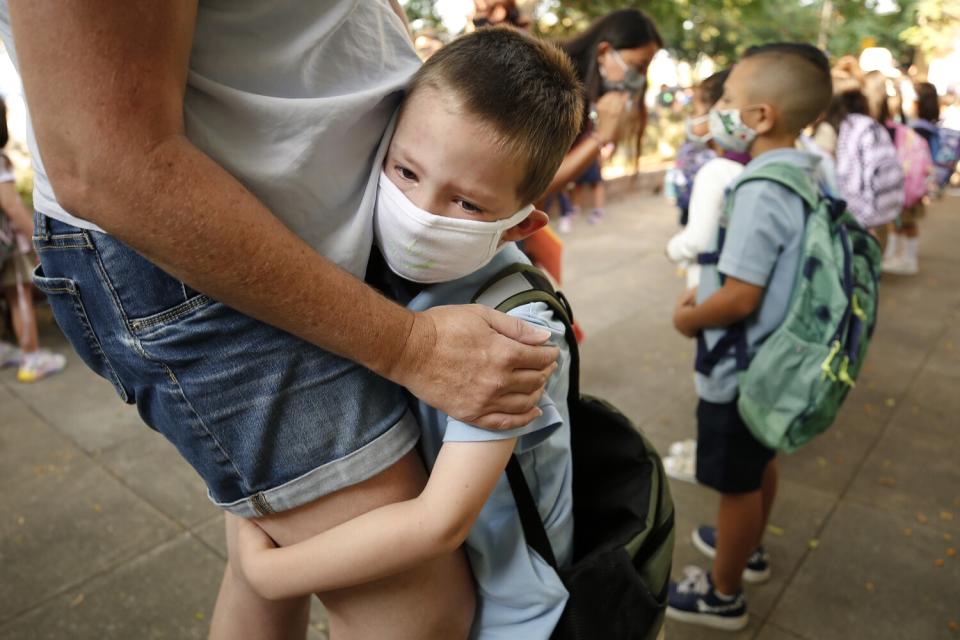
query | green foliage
(937,25)
(422,10)
(722,29)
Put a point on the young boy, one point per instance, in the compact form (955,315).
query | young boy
(770,96)
(482,131)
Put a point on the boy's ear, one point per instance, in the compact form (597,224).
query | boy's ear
(525,228)
(767,117)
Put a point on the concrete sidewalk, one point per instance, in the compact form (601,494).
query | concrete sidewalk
(105,533)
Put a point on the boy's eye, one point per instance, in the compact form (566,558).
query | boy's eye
(469,207)
(405,173)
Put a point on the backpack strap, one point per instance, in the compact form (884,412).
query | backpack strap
(512,287)
(735,338)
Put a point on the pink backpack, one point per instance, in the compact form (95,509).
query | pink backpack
(914,154)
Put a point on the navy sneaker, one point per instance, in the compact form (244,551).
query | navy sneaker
(694,600)
(758,566)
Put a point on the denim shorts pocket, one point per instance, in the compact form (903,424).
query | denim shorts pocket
(67,305)
(140,326)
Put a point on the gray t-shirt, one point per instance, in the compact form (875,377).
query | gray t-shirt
(292,98)
(762,247)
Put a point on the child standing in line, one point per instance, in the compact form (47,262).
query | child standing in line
(902,256)
(709,184)
(483,129)
(701,207)
(696,151)
(769,97)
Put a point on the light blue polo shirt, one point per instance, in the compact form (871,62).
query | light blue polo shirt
(762,247)
(519,595)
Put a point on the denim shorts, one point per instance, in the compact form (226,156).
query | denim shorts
(270,422)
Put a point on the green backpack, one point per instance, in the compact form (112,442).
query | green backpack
(623,518)
(794,386)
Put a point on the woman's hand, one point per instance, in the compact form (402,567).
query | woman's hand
(612,110)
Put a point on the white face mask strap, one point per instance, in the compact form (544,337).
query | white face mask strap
(619,59)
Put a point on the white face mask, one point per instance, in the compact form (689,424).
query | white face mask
(691,123)
(422,247)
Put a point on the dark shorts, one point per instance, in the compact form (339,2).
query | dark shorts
(270,422)
(591,175)
(729,458)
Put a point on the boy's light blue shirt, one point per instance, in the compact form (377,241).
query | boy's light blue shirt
(762,247)
(519,595)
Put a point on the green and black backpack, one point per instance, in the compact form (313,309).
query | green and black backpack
(794,386)
(623,517)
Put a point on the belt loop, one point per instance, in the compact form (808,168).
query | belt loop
(41,225)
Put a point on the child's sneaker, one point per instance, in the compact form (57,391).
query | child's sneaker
(681,467)
(566,224)
(9,355)
(901,266)
(694,600)
(595,216)
(39,365)
(686,448)
(758,565)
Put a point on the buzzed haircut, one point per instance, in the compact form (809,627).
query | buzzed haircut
(525,89)
(795,78)
(710,90)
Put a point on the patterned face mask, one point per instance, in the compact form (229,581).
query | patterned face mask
(728,130)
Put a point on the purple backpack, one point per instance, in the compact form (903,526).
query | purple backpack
(869,174)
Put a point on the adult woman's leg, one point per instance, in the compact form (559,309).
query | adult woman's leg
(24,319)
(240,613)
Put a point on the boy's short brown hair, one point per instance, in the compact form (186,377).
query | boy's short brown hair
(525,89)
(796,77)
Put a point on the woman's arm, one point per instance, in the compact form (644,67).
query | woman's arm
(387,540)
(13,207)
(107,106)
(611,109)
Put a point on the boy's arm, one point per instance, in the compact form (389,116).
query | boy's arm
(733,302)
(759,229)
(387,540)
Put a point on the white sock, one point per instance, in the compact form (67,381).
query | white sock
(892,246)
(722,596)
(910,247)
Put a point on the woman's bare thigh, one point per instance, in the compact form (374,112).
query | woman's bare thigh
(435,600)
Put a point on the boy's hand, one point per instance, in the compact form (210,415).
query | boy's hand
(252,542)
(683,311)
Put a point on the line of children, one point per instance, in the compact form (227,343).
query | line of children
(770,96)
(902,255)
(482,131)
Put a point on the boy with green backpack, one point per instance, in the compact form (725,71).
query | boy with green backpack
(782,316)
